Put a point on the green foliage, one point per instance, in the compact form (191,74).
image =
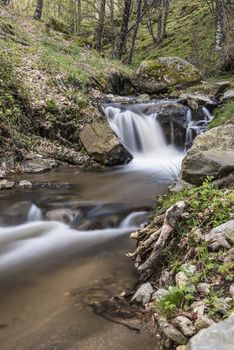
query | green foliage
(223,115)
(208,206)
(176,299)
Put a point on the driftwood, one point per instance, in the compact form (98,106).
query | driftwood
(151,242)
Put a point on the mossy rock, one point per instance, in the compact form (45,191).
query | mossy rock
(57,25)
(165,73)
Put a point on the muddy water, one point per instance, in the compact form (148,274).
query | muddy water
(50,271)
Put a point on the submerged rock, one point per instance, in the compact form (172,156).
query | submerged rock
(63,215)
(217,337)
(211,155)
(25,184)
(6,185)
(158,76)
(101,143)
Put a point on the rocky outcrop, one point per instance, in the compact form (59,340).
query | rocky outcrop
(37,165)
(113,81)
(159,76)
(221,236)
(211,155)
(102,144)
(172,118)
(217,337)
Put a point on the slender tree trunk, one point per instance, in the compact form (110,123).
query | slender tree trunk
(165,18)
(219,19)
(112,35)
(124,28)
(134,35)
(100,27)
(39,8)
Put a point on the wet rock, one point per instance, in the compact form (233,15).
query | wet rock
(185,325)
(37,165)
(159,294)
(172,118)
(63,215)
(204,288)
(228,95)
(6,185)
(157,76)
(181,279)
(25,184)
(217,337)
(143,294)
(101,143)
(212,154)
(203,322)
(194,101)
(221,236)
(172,332)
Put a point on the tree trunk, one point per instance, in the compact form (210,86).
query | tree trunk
(138,19)
(219,32)
(124,28)
(39,8)
(100,27)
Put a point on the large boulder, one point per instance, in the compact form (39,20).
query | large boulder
(217,337)
(101,143)
(158,76)
(172,117)
(211,155)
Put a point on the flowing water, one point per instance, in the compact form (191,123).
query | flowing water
(63,242)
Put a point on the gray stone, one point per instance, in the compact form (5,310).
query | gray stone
(217,337)
(101,143)
(189,268)
(194,101)
(221,236)
(203,288)
(185,325)
(199,310)
(64,215)
(219,88)
(181,279)
(37,165)
(203,322)
(159,294)
(228,95)
(212,154)
(6,185)
(25,184)
(172,332)
(157,76)
(143,294)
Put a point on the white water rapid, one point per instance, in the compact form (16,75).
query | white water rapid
(144,138)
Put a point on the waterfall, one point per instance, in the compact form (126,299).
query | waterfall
(141,134)
(34,213)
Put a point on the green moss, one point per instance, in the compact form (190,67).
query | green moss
(223,115)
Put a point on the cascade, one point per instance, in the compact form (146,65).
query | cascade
(143,136)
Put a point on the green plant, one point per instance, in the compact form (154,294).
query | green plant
(176,299)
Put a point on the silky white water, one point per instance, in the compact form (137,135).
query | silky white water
(144,138)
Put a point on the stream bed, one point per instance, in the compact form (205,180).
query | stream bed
(50,271)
